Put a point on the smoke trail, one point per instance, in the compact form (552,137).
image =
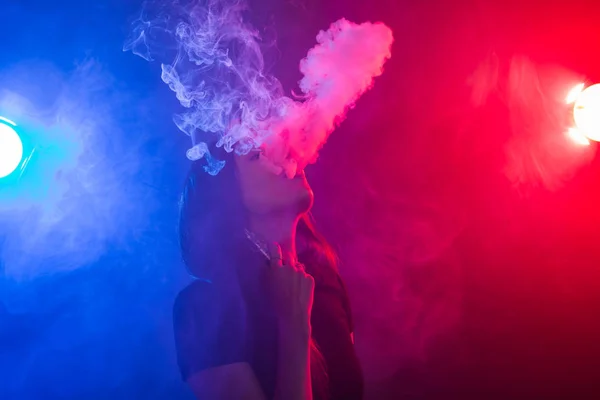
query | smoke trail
(213,61)
(80,191)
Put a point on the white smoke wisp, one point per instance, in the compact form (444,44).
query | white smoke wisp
(212,59)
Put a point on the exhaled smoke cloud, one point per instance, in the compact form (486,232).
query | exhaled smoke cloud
(212,59)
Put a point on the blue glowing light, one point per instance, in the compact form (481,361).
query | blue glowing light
(11,147)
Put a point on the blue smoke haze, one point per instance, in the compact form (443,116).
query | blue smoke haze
(85,308)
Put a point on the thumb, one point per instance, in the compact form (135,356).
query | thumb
(275,255)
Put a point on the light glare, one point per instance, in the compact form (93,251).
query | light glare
(11,149)
(574,93)
(578,137)
(586,112)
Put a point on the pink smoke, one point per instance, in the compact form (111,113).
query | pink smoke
(337,71)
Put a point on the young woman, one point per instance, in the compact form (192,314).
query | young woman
(268,315)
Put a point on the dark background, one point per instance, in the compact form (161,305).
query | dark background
(469,250)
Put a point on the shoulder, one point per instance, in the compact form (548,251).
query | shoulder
(194,308)
(205,306)
(204,300)
(205,297)
(196,293)
(197,296)
(208,328)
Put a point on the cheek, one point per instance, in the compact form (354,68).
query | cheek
(256,188)
(259,194)
(271,192)
(263,191)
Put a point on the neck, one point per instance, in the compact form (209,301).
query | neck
(277,228)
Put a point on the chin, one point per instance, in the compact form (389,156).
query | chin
(305,195)
(305,200)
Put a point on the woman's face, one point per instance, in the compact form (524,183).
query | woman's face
(264,191)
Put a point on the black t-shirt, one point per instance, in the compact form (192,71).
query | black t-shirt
(212,329)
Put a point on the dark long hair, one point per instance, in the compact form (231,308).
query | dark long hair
(213,242)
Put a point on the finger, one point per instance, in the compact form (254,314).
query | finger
(309,283)
(308,278)
(308,289)
(275,255)
(289,260)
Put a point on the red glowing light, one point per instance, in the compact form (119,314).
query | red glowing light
(578,137)
(574,93)
(586,112)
